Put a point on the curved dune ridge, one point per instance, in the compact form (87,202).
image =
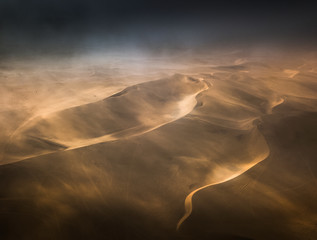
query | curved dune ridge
(188,200)
(244,124)
(134,111)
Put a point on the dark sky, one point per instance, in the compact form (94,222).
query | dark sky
(64,24)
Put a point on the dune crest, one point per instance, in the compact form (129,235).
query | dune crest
(257,146)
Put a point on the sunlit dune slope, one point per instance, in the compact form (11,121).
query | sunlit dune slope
(133,111)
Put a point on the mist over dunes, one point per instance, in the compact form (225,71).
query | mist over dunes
(192,146)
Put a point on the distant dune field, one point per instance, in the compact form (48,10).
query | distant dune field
(183,147)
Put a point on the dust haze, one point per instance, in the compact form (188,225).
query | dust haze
(158,120)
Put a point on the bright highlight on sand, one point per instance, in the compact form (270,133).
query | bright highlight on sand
(189,199)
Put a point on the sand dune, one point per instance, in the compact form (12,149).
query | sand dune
(133,111)
(236,124)
(232,135)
